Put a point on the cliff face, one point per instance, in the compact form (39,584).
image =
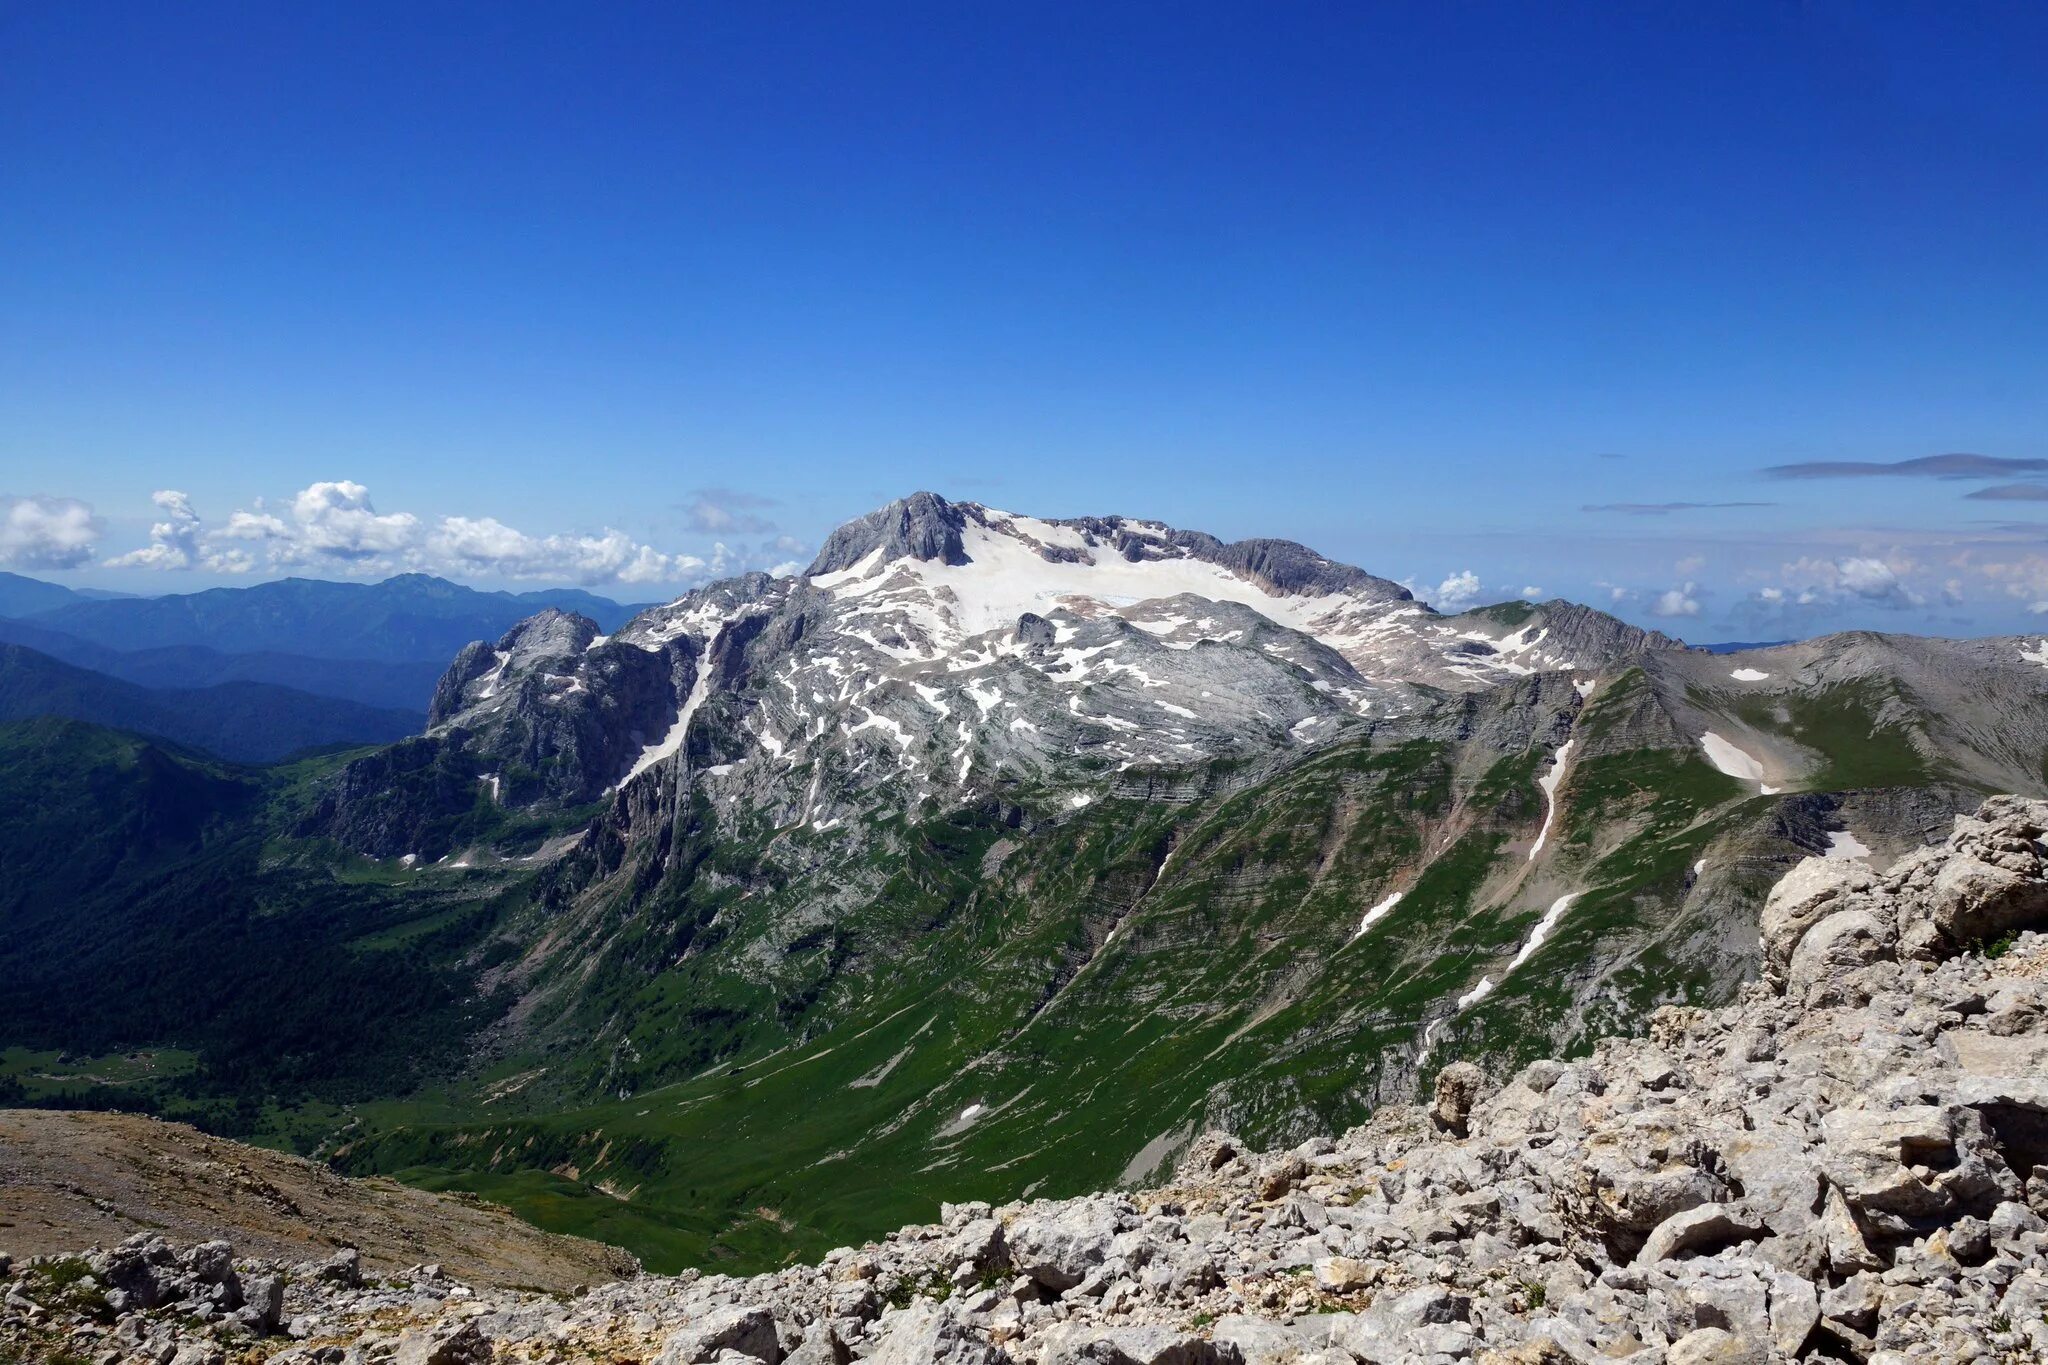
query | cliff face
(1850,1163)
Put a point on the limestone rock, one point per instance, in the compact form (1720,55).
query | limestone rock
(1457,1090)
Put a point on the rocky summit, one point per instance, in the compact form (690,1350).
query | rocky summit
(941,649)
(1850,1162)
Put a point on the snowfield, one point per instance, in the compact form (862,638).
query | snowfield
(1736,763)
(1844,845)
(1548,782)
(1376,914)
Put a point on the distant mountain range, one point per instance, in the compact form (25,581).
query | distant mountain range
(21,596)
(246,722)
(382,645)
(400,685)
(412,616)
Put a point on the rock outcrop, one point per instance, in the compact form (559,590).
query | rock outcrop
(1849,1164)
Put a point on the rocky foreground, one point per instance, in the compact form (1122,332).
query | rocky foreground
(1849,1164)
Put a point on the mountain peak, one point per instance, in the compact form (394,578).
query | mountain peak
(921,526)
(927,527)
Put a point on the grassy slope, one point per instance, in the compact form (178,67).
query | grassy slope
(1232,991)
(147,906)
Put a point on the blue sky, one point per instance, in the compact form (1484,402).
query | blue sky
(526,293)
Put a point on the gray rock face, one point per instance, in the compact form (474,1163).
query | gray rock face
(1060,1245)
(1986,879)
(929,1334)
(1705,1227)
(1457,1088)
(749,1330)
(460,1343)
(921,526)
(945,650)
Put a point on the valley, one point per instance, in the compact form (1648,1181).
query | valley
(992,858)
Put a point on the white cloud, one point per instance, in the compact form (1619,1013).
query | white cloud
(2025,577)
(337,521)
(1874,580)
(153,556)
(333,525)
(258,525)
(173,541)
(1811,582)
(1674,602)
(488,545)
(1532,593)
(1457,592)
(727,511)
(46,533)
(228,560)
(176,542)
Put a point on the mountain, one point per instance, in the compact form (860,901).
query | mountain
(240,721)
(138,1172)
(945,648)
(149,899)
(997,856)
(21,596)
(1843,1165)
(399,685)
(409,617)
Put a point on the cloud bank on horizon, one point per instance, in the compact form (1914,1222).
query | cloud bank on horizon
(1718,578)
(333,527)
(1956,466)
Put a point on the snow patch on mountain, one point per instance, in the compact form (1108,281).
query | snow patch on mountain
(672,742)
(1544,926)
(1844,845)
(1735,762)
(1548,782)
(1376,914)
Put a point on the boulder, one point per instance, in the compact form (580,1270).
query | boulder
(1457,1090)
(1795,1311)
(1075,1344)
(443,1344)
(1822,967)
(344,1268)
(1812,890)
(1058,1244)
(928,1334)
(749,1329)
(1716,1346)
(263,1303)
(1704,1229)
(1344,1275)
